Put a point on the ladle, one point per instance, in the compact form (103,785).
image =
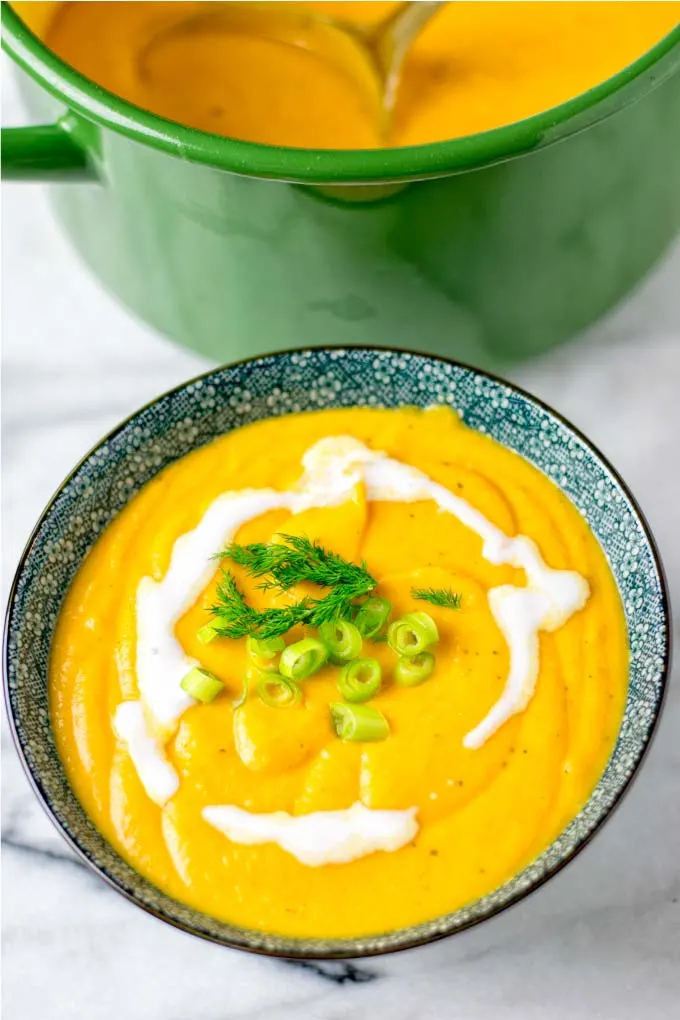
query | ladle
(373,55)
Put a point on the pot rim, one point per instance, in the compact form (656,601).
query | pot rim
(327,166)
(293,947)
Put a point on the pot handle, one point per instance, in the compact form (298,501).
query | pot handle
(46,152)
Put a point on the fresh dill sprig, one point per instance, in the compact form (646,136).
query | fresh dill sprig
(438,597)
(257,559)
(284,565)
(232,613)
(296,559)
(232,617)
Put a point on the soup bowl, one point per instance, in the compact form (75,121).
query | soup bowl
(488,248)
(305,380)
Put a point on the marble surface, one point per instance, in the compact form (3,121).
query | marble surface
(601,941)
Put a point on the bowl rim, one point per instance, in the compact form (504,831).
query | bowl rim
(336,166)
(298,948)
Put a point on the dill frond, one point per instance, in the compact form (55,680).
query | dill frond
(438,597)
(283,565)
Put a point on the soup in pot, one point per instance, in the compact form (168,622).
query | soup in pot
(476,66)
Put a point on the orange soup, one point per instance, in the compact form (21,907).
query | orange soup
(476,66)
(402,679)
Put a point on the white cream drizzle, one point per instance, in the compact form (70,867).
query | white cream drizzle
(161,660)
(548,600)
(158,777)
(332,468)
(321,837)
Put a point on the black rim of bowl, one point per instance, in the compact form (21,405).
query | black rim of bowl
(299,948)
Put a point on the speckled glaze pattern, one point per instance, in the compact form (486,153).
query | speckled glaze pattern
(233,396)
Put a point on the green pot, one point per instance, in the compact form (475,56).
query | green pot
(490,248)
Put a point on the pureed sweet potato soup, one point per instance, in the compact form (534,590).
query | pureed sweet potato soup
(476,66)
(399,683)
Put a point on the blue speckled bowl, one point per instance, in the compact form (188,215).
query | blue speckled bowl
(304,380)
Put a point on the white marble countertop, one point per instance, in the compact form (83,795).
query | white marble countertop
(600,942)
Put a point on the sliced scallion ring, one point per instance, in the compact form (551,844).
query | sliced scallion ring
(278,691)
(342,640)
(206,633)
(372,616)
(411,670)
(358,722)
(303,659)
(243,696)
(360,680)
(201,685)
(412,634)
(263,652)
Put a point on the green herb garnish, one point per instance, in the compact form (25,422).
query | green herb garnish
(296,559)
(412,634)
(232,617)
(360,680)
(201,685)
(206,634)
(243,696)
(303,659)
(278,691)
(358,722)
(342,639)
(412,670)
(284,565)
(372,616)
(438,597)
(263,654)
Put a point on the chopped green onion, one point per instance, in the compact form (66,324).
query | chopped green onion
(206,633)
(243,696)
(412,634)
(360,679)
(413,669)
(263,652)
(201,685)
(358,722)
(302,659)
(278,691)
(372,617)
(342,639)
